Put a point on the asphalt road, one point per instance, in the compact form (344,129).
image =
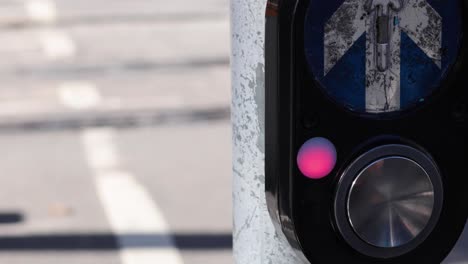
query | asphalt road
(115,132)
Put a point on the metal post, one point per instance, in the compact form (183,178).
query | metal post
(255,239)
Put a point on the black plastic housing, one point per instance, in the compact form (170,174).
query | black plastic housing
(297,110)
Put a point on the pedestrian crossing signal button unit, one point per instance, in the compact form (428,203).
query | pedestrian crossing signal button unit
(365,128)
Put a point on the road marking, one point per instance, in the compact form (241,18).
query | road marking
(79,95)
(154,102)
(127,204)
(57,44)
(28,106)
(41,11)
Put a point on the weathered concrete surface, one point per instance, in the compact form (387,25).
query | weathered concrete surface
(255,239)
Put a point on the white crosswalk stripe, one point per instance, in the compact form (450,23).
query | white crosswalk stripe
(127,204)
(41,11)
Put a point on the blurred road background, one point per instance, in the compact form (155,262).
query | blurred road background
(114,132)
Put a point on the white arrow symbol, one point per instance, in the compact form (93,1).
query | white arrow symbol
(382,21)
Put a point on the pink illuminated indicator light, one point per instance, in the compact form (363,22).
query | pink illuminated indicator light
(317,158)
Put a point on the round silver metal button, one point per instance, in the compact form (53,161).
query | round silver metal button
(390,202)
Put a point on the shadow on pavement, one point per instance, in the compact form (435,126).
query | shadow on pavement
(119,119)
(10,218)
(102,242)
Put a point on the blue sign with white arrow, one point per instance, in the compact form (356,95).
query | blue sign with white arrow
(377,56)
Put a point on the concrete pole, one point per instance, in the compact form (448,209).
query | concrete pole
(255,239)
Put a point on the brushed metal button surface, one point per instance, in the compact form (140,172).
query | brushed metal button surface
(390,202)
